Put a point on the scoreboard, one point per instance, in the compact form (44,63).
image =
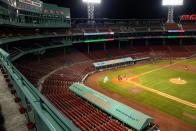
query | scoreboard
(30,5)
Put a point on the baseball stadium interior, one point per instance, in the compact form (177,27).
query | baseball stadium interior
(53,68)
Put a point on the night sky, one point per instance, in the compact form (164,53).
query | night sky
(126,8)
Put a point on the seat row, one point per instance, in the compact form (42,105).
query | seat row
(83,114)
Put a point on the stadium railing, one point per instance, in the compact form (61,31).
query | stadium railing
(40,111)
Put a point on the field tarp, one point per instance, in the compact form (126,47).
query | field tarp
(116,109)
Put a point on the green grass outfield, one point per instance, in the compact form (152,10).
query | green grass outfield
(159,80)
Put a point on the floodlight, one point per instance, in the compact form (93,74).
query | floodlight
(172,2)
(91,8)
(92,1)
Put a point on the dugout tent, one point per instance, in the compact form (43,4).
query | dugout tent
(124,113)
(118,62)
(112,62)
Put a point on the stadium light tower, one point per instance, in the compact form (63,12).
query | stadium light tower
(171,4)
(91,7)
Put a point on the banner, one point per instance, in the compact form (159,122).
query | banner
(188,17)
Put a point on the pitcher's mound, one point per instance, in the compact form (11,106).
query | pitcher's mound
(178,81)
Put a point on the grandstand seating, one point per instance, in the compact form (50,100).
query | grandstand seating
(72,66)
(191,48)
(76,31)
(102,55)
(5,33)
(141,29)
(178,51)
(156,28)
(142,48)
(83,114)
(76,65)
(55,88)
(34,74)
(189,27)
(90,30)
(49,64)
(115,29)
(172,26)
(103,29)
(80,62)
(18,48)
(161,51)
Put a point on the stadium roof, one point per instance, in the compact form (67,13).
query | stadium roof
(116,109)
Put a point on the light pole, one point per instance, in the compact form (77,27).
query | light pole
(91,8)
(171,4)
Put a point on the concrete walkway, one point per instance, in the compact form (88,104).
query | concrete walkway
(14,121)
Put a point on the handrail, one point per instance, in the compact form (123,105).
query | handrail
(38,102)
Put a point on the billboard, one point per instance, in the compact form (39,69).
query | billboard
(172,2)
(188,17)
